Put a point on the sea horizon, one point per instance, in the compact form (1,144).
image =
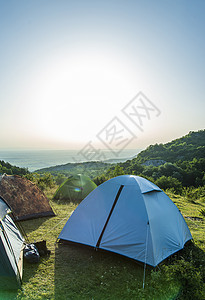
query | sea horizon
(33,159)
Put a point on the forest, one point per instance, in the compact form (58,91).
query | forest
(176,165)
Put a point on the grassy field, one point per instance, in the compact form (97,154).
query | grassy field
(73,272)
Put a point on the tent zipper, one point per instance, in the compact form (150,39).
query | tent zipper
(108,218)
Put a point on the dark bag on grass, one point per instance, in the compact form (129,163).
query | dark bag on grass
(31,254)
(42,248)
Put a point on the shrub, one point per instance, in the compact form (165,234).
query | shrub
(194,193)
(42,181)
(169,183)
(60,178)
(202,211)
(189,278)
(100,179)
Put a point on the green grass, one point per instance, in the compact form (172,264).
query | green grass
(74,272)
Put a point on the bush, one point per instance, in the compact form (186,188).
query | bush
(100,179)
(194,193)
(202,211)
(117,171)
(169,183)
(189,278)
(60,178)
(42,181)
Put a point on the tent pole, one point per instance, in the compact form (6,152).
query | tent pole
(145,256)
(81,187)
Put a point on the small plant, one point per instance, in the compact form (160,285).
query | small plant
(188,277)
(192,193)
(202,211)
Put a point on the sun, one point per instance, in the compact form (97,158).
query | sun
(75,95)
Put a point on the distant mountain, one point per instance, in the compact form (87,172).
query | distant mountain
(116,160)
(185,148)
(92,169)
(182,158)
(9,169)
(179,163)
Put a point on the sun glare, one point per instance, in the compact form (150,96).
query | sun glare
(74,97)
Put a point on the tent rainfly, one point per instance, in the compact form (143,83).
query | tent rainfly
(131,216)
(11,250)
(26,200)
(75,188)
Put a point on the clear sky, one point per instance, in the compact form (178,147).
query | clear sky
(68,68)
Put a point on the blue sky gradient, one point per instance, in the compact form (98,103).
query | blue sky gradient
(68,67)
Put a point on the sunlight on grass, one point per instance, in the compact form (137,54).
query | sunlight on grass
(76,272)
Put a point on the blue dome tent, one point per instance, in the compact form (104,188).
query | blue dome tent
(131,216)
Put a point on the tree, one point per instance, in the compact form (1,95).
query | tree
(169,183)
(118,171)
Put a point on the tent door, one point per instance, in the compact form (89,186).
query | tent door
(108,218)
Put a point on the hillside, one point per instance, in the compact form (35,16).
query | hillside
(177,164)
(187,147)
(9,169)
(90,169)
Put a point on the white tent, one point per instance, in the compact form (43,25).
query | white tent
(130,216)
